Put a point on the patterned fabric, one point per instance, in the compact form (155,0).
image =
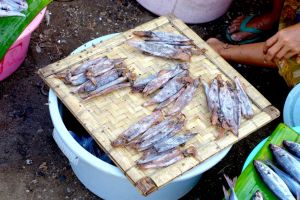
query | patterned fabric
(289,69)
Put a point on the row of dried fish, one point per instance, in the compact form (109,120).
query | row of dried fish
(227,104)
(164,44)
(97,77)
(176,87)
(159,138)
(12,8)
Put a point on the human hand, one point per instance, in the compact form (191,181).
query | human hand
(284,44)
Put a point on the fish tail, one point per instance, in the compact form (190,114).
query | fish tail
(230,182)
(225,193)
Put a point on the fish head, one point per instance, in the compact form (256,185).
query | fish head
(258,165)
(288,144)
(258,195)
(274,147)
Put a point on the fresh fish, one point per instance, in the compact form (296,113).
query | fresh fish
(185,98)
(164,133)
(163,36)
(170,88)
(246,105)
(292,147)
(9,13)
(138,128)
(258,195)
(140,84)
(286,161)
(170,100)
(15,5)
(293,185)
(163,77)
(273,181)
(82,68)
(231,184)
(168,158)
(101,80)
(173,142)
(102,67)
(162,50)
(227,107)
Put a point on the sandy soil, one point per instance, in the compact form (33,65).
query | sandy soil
(31,165)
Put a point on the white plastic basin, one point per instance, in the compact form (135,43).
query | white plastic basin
(190,11)
(106,180)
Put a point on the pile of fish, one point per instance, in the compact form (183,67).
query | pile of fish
(284,180)
(166,45)
(97,77)
(159,138)
(227,104)
(176,85)
(12,8)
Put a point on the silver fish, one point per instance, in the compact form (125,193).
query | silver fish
(138,128)
(162,50)
(9,13)
(246,105)
(173,142)
(183,100)
(273,181)
(258,195)
(170,88)
(231,184)
(293,185)
(293,147)
(163,77)
(286,161)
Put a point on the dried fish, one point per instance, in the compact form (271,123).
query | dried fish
(162,36)
(138,128)
(104,87)
(140,84)
(162,50)
(173,142)
(185,98)
(82,68)
(170,100)
(168,131)
(163,77)
(168,158)
(102,67)
(101,80)
(170,88)
(246,106)
(227,105)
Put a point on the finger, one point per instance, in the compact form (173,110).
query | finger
(282,52)
(272,51)
(270,42)
(290,54)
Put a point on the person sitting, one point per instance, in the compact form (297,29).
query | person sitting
(282,50)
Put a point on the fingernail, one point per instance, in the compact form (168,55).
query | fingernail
(235,37)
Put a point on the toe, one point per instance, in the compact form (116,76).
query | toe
(241,36)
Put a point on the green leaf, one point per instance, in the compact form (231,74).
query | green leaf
(249,181)
(12,27)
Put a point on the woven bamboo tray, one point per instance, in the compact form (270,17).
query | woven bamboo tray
(106,117)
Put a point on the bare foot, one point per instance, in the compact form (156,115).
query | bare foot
(263,22)
(217,45)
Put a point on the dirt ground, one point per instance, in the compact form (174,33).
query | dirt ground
(31,164)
